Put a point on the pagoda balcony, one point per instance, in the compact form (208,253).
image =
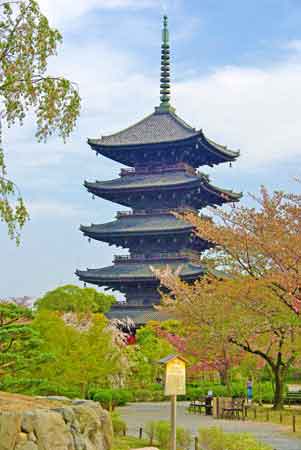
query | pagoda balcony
(127,259)
(144,170)
(145,212)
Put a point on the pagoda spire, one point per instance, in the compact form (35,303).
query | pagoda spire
(165,69)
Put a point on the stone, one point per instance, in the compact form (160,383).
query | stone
(58,398)
(22,437)
(27,446)
(32,437)
(26,422)
(83,426)
(51,431)
(10,428)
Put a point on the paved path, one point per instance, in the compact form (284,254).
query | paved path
(138,414)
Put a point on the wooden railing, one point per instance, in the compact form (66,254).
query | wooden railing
(156,257)
(143,170)
(144,212)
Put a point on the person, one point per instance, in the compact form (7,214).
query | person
(249,390)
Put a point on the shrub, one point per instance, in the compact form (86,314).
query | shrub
(109,398)
(216,439)
(119,425)
(160,433)
(184,438)
(150,431)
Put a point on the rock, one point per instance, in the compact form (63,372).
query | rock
(27,446)
(32,437)
(58,398)
(81,426)
(10,428)
(26,422)
(51,431)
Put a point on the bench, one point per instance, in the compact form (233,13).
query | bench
(197,405)
(292,398)
(233,409)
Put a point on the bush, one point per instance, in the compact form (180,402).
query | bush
(150,430)
(160,433)
(109,398)
(119,425)
(216,439)
(184,438)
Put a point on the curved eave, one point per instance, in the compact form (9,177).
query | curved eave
(100,147)
(220,150)
(109,193)
(216,153)
(98,277)
(91,232)
(98,187)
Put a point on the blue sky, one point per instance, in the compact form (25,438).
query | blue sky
(236,70)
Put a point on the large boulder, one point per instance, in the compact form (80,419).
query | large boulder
(82,425)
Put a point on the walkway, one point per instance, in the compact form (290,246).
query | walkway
(138,414)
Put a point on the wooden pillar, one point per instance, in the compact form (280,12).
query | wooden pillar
(173,437)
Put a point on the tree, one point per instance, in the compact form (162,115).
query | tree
(80,359)
(198,346)
(242,313)
(70,298)
(263,243)
(26,43)
(19,342)
(145,355)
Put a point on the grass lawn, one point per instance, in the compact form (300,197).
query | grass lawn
(129,442)
(284,417)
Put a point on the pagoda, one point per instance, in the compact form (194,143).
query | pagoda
(162,154)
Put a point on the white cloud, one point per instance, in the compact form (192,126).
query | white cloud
(257,110)
(62,11)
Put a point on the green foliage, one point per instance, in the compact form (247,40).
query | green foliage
(144,357)
(80,359)
(159,431)
(128,443)
(70,298)
(26,43)
(262,392)
(119,425)
(215,439)
(109,398)
(19,341)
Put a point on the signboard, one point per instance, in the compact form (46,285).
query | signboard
(175,377)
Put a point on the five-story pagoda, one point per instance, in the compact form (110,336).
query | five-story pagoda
(162,153)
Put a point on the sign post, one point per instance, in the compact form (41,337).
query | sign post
(175,384)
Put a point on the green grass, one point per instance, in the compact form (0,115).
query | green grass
(284,417)
(129,442)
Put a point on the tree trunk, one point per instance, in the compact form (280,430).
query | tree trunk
(279,389)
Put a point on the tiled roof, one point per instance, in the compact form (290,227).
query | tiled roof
(132,271)
(155,128)
(146,181)
(155,181)
(135,224)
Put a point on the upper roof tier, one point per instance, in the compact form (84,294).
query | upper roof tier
(133,272)
(161,190)
(138,225)
(162,137)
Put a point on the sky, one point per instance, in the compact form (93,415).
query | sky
(236,73)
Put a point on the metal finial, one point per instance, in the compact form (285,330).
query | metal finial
(165,67)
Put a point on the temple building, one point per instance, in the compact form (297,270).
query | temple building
(162,154)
